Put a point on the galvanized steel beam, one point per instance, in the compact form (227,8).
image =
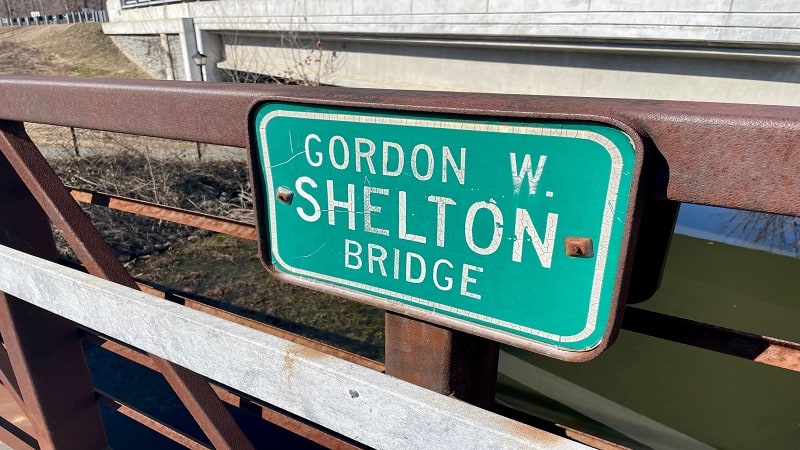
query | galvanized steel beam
(357,402)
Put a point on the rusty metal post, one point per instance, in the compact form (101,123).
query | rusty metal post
(442,360)
(44,350)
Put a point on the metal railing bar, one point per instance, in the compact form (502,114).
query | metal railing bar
(17,439)
(185,299)
(370,407)
(761,349)
(322,437)
(262,410)
(734,138)
(300,340)
(590,440)
(312,433)
(120,349)
(767,350)
(149,422)
(285,421)
(170,214)
(556,428)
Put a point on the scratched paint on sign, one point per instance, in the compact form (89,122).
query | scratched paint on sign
(460,217)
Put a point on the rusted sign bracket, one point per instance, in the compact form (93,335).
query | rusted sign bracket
(442,360)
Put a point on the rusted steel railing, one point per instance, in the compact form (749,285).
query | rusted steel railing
(742,142)
(733,140)
(761,349)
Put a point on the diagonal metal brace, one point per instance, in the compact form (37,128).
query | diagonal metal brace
(95,254)
(43,361)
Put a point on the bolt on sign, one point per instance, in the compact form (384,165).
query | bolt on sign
(514,230)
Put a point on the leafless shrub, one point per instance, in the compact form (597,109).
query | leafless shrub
(300,57)
(213,187)
(764,229)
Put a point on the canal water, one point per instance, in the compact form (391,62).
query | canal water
(734,269)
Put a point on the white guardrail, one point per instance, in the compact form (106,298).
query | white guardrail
(362,404)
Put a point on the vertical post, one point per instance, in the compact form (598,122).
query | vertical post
(74,141)
(44,349)
(210,45)
(442,360)
(188,48)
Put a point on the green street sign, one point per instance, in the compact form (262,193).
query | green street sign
(515,230)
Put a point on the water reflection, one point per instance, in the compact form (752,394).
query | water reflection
(646,392)
(761,231)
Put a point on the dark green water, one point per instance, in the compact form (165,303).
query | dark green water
(646,392)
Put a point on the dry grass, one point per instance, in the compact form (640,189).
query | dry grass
(67,50)
(221,270)
(218,269)
(78,50)
(218,187)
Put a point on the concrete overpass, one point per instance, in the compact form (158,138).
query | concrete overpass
(745,51)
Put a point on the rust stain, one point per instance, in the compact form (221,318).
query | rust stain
(176,215)
(295,352)
(774,355)
(580,247)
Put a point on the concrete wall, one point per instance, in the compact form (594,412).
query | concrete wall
(717,50)
(734,21)
(546,71)
(158,55)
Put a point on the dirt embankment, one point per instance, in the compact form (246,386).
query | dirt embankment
(83,50)
(77,49)
(64,50)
